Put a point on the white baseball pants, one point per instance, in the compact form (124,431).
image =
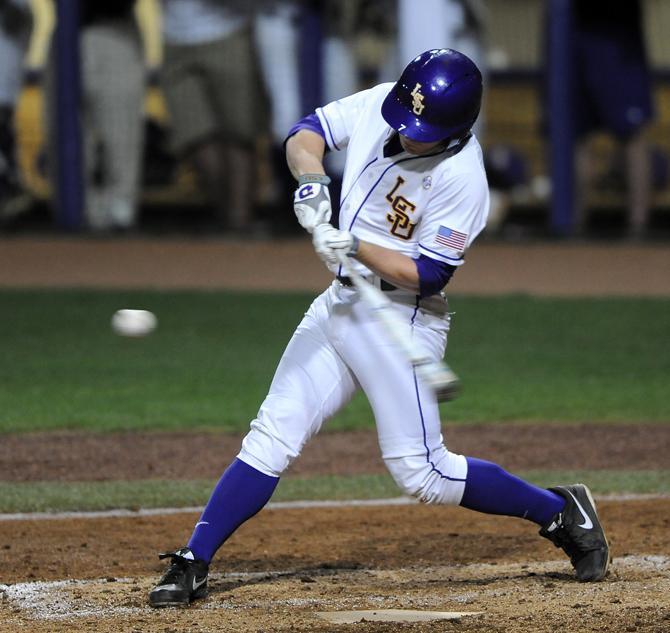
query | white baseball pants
(338,348)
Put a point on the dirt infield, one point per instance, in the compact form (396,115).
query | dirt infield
(279,570)
(558,269)
(132,456)
(284,566)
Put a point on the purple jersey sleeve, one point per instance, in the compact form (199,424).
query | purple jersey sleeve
(433,275)
(309,122)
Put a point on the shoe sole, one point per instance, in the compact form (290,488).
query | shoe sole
(161,605)
(609,557)
(182,604)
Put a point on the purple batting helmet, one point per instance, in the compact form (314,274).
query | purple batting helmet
(438,96)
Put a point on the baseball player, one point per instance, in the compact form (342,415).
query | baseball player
(414,197)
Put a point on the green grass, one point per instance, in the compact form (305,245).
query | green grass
(527,358)
(53,497)
(209,364)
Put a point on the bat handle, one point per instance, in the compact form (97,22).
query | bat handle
(345,262)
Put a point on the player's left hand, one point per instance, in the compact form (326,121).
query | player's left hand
(328,241)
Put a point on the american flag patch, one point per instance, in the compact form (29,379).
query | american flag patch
(451,238)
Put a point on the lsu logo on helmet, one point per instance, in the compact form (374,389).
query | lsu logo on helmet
(417,100)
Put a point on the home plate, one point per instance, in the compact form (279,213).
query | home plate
(391,615)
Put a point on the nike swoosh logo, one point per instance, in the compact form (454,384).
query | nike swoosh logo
(197,584)
(588,524)
(201,523)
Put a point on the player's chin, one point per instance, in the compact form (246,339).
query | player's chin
(414,150)
(417,148)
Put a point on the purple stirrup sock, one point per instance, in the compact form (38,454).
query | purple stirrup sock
(240,493)
(491,489)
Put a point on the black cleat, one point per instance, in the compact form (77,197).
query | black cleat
(577,530)
(184,581)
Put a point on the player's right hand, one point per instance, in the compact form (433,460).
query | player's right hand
(311,201)
(327,241)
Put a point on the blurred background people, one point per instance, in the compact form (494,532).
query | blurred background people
(113,85)
(612,84)
(111,104)
(219,61)
(277,40)
(15,21)
(217,104)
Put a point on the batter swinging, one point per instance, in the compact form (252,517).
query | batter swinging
(414,197)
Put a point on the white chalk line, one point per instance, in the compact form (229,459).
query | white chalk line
(273,505)
(144,512)
(50,600)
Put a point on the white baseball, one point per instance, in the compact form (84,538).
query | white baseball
(134,322)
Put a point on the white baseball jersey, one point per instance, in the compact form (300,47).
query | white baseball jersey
(432,205)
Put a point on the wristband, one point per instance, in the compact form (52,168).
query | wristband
(322,179)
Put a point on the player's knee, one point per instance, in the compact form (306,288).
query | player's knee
(270,446)
(410,481)
(265,452)
(439,481)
